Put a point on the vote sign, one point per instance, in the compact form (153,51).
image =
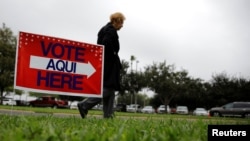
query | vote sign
(53,65)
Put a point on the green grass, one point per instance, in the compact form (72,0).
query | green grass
(124,127)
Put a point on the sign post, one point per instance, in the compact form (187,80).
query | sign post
(54,65)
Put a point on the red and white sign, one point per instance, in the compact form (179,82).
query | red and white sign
(53,65)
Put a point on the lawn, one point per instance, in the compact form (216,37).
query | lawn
(124,127)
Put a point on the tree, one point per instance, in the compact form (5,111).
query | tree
(142,99)
(172,86)
(131,82)
(161,79)
(192,92)
(132,59)
(124,77)
(226,89)
(7,58)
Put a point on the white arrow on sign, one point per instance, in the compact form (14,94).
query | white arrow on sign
(37,62)
(87,69)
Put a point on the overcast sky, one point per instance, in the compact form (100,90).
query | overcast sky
(204,37)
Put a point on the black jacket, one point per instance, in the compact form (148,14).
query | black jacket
(108,37)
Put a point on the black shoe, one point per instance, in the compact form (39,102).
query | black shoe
(83,112)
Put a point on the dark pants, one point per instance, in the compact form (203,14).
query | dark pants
(108,102)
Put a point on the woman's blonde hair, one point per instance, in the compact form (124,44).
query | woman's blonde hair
(117,17)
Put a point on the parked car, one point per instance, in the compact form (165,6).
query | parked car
(9,101)
(148,109)
(173,110)
(98,107)
(182,110)
(133,108)
(200,112)
(48,101)
(22,103)
(238,109)
(162,109)
(73,105)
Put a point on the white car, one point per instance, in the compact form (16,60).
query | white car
(73,105)
(9,101)
(162,109)
(148,109)
(182,110)
(133,108)
(200,112)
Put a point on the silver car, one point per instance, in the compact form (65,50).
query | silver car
(162,109)
(200,112)
(182,110)
(9,101)
(236,109)
(148,109)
